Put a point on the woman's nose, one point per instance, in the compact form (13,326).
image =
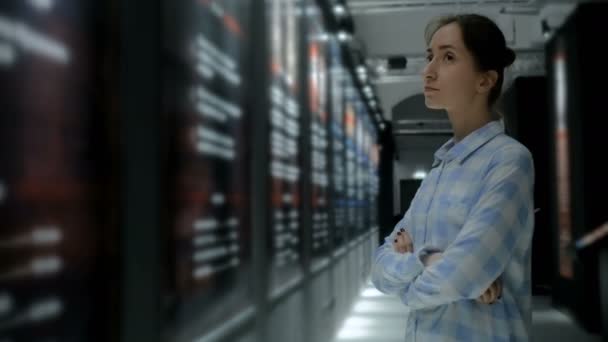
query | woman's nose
(428,72)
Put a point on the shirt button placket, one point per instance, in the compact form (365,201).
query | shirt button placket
(432,199)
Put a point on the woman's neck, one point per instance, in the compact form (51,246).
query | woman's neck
(464,122)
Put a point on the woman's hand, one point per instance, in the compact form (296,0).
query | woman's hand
(432,258)
(492,294)
(403,242)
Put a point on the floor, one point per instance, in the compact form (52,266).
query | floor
(376,317)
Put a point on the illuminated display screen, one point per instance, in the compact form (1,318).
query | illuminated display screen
(319,139)
(365,174)
(362,174)
(374,179)
(338,142)
(361,160)
(54,175)
(350,130)
(562,144)
(284,238)
(207,54)
(371,154)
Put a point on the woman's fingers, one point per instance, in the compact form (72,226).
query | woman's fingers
(406,240)
(484,298)
(406,236)
(403,242)
(499,295)
(491,291)
(495,291)
(489,297)
(397,245)
(492,294)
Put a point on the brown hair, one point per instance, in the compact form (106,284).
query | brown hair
(484,40)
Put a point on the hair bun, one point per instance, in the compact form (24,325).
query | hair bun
(509,57)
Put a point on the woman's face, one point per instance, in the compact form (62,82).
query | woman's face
(450,77)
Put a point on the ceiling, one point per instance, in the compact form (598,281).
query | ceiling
(396,28)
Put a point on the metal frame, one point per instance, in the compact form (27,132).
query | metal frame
(142,248)
(423,132)
(387,6)
(260,180)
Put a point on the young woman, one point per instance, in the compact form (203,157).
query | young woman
(460,257)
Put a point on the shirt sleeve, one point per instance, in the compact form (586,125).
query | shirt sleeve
(484,246)
(392,271)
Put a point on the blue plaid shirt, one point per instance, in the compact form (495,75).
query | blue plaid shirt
(476,207)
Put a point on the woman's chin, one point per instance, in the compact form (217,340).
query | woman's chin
(430,104)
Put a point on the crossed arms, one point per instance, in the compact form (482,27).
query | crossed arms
(404,244)
(471,265)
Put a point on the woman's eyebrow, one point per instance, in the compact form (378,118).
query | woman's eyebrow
(442,47)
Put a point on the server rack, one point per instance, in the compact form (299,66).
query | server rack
(58,207)
(526,116)
(174,80)
(142,174)
(578,182)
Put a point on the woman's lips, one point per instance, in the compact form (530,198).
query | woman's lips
(430,89)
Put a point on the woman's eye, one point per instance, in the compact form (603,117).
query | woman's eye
(429,58)
(449,57)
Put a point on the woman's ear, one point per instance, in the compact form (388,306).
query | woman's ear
(487,81)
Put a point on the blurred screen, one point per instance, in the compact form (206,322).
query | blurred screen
(319,139)
(362,174)
(54,175)
(562,143)
(207,51)
(350,129)
(374,179)
(284,238)
(337,74)
(365,171)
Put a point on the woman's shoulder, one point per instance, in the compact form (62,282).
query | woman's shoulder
(507,144)
(505,150)
(499,150)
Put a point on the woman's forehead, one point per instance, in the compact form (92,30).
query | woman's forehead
(447,36)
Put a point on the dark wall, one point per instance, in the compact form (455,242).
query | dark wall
(385,199)
(584,103)
(526,119)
